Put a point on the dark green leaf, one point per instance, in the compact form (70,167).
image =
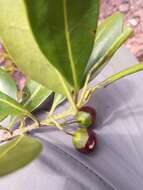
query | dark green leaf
(65,32)
(35,94)
(16,35)
(18,153)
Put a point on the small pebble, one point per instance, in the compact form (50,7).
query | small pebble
(124,7)
(134,21)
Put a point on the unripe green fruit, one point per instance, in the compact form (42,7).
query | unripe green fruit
(80,138)
(84,119)
(84,140)
(91,111)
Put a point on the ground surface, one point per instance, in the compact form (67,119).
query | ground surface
(133,10)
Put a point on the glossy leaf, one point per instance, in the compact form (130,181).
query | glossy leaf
(18,153)
(121,74)
(97,68)
(16,35)
(65,31)
(9,106)
(35,94)
(110,36)
(107,32)
(7,84)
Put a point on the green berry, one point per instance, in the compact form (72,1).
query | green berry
(91,111)
(84,140)
(84,119)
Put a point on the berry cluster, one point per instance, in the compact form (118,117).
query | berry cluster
(84,139)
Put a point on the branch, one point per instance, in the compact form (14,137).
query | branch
(8,135)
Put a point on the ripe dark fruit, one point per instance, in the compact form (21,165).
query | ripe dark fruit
(92,113)
(84,141)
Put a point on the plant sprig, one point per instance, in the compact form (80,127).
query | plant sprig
(60,53)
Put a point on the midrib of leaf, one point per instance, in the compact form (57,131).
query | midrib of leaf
(60,77)
(32,96)
(12,105)
(104,29)
(67,35)
(67,92)
(11,147)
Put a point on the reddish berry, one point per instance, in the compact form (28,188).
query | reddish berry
(84,141)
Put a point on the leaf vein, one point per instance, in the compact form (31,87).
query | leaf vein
(11,147)
(67,34)
(12,105)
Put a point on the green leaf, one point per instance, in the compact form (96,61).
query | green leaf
(119,75)
(127,32)
(107,47)
(35,95)
(64,31)
(9,106)
(18,39)
(2,117)
(18,153)
(58,99)
(7,84)
(107,32)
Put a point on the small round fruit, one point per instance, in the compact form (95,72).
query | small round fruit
(91,111)
(84,119)
(84,140)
